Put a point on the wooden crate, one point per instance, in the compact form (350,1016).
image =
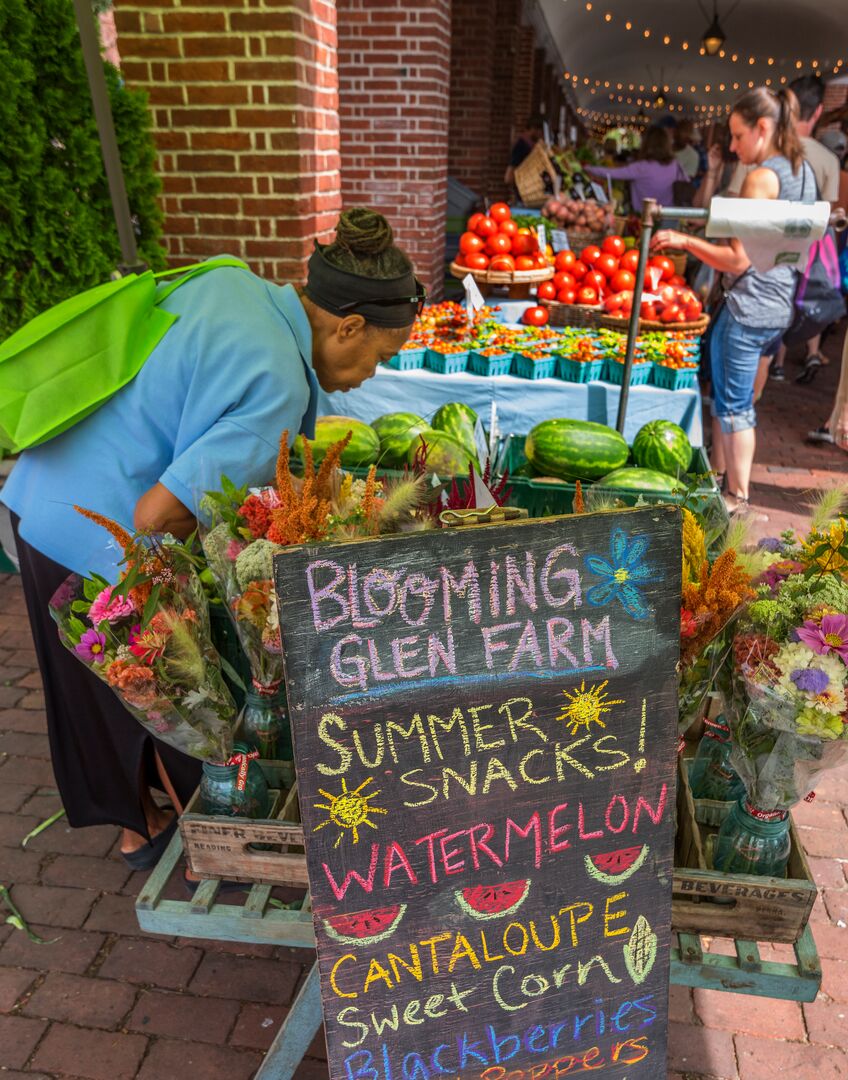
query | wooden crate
(741,906)
(268,851)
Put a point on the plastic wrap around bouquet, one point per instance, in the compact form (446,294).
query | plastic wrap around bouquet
(787,697)
(246,527)
(148,638)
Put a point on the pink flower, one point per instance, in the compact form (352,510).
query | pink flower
(829,636)
(234,549)
(109,607)
(270,498)
(92,647)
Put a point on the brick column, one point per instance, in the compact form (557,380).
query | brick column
(473,47)
(394,72)
(244,96)
(522,77)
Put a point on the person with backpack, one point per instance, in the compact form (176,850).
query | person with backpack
(243,361)
(757,306)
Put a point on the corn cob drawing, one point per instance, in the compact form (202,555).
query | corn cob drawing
(640,952)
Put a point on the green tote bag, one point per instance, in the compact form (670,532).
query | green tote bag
(70,359)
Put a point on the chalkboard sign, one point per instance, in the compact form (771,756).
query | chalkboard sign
(485,739)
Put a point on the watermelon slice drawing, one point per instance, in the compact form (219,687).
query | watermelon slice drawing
(616,866)
(493,901)
(365,927)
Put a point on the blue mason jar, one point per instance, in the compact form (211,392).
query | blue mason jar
(711,776)
(753,841)
(236,788)
(265,724)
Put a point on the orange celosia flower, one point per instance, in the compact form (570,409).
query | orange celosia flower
(712,601)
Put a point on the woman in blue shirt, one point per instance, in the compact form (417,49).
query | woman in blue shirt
(243,362)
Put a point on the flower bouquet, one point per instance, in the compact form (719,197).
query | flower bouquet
(787,696)
(245,528)
(148,639)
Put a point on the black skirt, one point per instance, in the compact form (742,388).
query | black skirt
(101,754)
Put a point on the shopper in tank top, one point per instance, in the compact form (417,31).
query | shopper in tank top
(758,306)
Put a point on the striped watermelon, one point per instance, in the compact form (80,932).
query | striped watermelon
(649,481)
(664,446)
(459,421)
(445,456)
(363,448)
(397,432)
(575,449)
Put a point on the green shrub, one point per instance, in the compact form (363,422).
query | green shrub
(57,230)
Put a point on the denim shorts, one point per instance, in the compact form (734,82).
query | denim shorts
(735,352)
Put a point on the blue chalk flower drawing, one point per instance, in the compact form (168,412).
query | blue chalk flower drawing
(624,573)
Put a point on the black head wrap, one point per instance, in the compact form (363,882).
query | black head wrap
(343,293)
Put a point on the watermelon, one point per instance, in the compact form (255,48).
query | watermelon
(616,866)
(363,448)
(365,927)
(493,901)
(575,449)
(648,481)
(664,446)
(458,420)
(397,432)
(445,456)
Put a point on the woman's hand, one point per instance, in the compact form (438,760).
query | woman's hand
(669,238)
(715,158)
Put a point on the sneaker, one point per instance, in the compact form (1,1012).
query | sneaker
(820,435)
(777,374)
(811,369)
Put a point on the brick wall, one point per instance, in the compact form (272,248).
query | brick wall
(394,74)
(472,79)
(244,95)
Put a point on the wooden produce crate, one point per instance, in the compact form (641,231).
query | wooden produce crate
(742,906)
(267,851)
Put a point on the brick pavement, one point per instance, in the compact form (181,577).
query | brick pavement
(106,1002)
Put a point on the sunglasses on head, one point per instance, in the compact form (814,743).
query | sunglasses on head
(419,300)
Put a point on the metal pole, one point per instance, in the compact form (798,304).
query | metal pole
(649,210)
(106,130)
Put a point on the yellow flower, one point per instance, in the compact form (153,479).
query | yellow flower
(834,538)
(694,548)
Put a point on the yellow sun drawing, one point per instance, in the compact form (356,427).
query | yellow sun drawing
(349,810)
(586,707)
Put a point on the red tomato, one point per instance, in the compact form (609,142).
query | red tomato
(470,242)
(477,261)
(460,260)
(503,263)
(567,296)
(629,261)
(546,291)
(670,314)
(613,245)
(622,281)
(648,311)
(613,303)
(474,221)
(562,280)
(606,264)
(498,245)
(594,279)
(541,260)
(676,279)
(668,294)
(508,228)
(525,262)
(525,242)
(499,212)
(485,227)
(590,254)
(694,310)
(535,316)
(587,296)
(579,270)
(565,260)
(664,264)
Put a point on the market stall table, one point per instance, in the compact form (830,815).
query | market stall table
(521,403)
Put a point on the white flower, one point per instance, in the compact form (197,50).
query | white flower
(794,656)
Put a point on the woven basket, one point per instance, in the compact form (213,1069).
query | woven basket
(694,329)
(679,260)
(583,240)
(619,224)
(582,315)
(529,176)
(504,277)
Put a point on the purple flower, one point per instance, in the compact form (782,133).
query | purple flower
(770,543)
(778,572)
(829,636)
(92,647)
(810,680)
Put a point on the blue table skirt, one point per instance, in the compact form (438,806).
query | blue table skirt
(521,403)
